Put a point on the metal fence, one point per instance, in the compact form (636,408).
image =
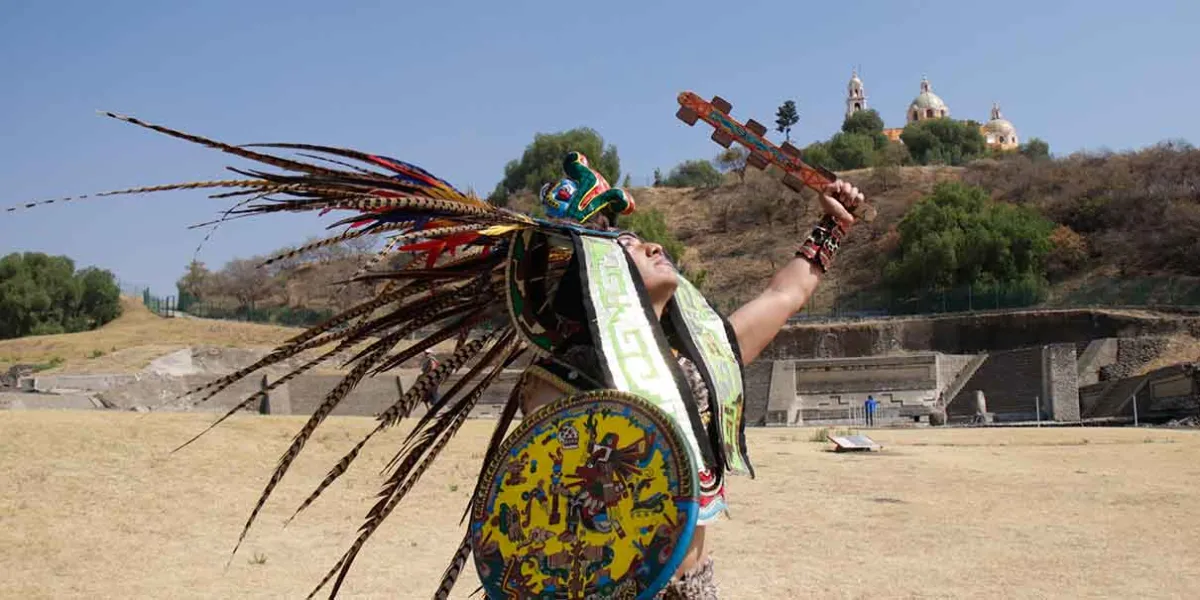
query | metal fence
(1175,293)
(185,306)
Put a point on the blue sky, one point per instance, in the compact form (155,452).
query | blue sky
(461,87)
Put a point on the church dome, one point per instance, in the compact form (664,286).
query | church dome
(928,100)
(1000,131)
(998,124)
(927,105)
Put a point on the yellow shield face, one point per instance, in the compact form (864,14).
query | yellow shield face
(592,496)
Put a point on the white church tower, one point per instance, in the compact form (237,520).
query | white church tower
(856,98)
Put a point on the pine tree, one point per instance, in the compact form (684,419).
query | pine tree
(785,118)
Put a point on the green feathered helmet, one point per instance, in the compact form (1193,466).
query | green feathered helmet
(584,194)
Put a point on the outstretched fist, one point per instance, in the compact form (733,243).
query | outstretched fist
(839,199)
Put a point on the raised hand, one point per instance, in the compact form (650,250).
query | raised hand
(838,199)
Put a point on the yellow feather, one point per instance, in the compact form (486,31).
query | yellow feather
(496,230)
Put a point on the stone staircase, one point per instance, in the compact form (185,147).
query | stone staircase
(1114,397)
(1010,380)
(964,376)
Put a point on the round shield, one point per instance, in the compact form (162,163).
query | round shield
(592,496)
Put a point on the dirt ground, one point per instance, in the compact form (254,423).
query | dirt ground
(93,506)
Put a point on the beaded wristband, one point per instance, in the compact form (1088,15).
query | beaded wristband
(822,244)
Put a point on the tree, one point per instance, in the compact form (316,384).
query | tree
(658,178)
(943,141)
(1035,149)
(867,123)
(886,174)
(627,182)
(734,159)
(852,150)
(100,298)
(42,294)
(541,162)
(695,174)
(244,280)
(1068,252)
(785,118)
(863,121)
(817,154)
(194,284)
(958,236)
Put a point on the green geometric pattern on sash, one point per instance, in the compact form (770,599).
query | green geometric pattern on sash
(707,331)
(627,337)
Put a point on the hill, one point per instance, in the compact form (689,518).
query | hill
(1134,219)
(134,339)
(139,336)
(1129,231)
(740,233)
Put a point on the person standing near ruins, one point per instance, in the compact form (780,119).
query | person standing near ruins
(869,410)
(427,365)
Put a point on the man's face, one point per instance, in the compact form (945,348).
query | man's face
(653,264)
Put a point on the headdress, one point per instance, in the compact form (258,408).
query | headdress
(500,282)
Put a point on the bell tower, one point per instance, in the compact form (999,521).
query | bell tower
(856,97)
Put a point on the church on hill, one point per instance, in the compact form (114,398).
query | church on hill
(997,131)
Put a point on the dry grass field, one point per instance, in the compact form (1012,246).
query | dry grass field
(93,506)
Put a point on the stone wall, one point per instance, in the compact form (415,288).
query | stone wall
(1060,382)
(46,383)
(1161,395)
(971,333)
(1094,356)
(301,395)
(783,405)
(798,391)
(1132,355)
(757,381)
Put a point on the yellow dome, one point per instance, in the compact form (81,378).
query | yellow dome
(1000,126)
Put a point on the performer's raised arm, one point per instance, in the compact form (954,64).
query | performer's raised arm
(758,321)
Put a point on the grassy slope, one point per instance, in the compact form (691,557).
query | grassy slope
(766,223)
(134,339)
(139,336)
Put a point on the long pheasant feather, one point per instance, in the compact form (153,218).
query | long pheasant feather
(403,405)
(403,479)
(191,185)
(450,575)
(335,396)
(275,161)
(502,424)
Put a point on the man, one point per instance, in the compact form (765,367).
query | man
(428,364)
(869,410)
(755,325)
(516,281)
